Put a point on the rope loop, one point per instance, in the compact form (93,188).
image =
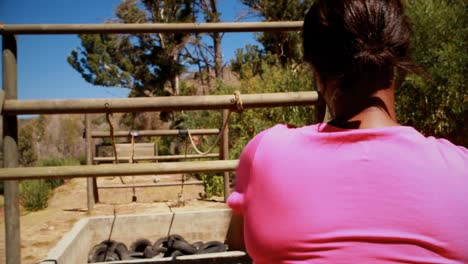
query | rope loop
(237,101)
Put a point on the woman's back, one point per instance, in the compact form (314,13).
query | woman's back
(321,194)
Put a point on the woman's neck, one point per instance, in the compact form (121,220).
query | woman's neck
(377,110)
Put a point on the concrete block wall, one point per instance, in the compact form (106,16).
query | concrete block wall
(194,226)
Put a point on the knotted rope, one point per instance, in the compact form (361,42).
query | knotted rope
(239,104)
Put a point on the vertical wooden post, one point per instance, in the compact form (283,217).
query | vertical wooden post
(10,154)
(89,161)
(225,153)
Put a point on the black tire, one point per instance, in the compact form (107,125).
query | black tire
(140,245)
(167,244)
(101,251)
(198,245)
(150,252)
(163,241)
(184,247)
(112,256)
(121,250)
(136,255)
(177,253)
(212,247)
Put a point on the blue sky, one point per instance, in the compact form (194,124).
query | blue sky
(43,72)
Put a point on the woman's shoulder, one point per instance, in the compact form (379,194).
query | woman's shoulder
(449,152)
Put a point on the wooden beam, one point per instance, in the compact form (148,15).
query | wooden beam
(164,184)
(107,170)
(155,133)
(149,158)
(110,28)
(169,103)
(10,153)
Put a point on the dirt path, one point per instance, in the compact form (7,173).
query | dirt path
(40,231)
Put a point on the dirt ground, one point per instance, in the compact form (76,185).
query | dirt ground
(40,231)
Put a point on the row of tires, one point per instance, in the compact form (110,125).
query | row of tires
(169,246)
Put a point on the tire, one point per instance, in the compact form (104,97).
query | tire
(150,252)
(198,245)
(212,247)
(121,250)
(176,253)
(136,255)
(140,245)
(102,252)
(112,256)
(163,241)
(184,247)
(165,244)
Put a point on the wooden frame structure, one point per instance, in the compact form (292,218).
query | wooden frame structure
(94,196)
(13,107)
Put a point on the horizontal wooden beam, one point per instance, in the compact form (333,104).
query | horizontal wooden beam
(155,133)
(163,184)
(147,104)
(112,28)
(109,170)
(149,158)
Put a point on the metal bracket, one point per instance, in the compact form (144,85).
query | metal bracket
(183,133)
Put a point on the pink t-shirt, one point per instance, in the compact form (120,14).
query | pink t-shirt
(320,194)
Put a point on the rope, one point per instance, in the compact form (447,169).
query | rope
(236,101)
(172,218)
(114,148)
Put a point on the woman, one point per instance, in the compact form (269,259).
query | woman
(361,188)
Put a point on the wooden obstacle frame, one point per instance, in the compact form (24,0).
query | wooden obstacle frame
(141,152)
(11,107)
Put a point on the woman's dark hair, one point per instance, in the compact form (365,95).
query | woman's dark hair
(357,43)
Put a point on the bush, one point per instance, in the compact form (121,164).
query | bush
(214,185)
(437,105)
(34,194)
(51,161)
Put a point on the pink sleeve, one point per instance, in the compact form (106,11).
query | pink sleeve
(237,200)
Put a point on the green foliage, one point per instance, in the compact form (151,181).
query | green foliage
(144,63)
(51,161)
(250,61)
(438,105)
(34,194)
(26,149)
(213,184)
(286,46)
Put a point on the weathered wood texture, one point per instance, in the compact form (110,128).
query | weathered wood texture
(172,103)
(89,161)
(150,28)
(117,170)
(156,133)
(10,153)
(225,153)
(164,184)
(123,159)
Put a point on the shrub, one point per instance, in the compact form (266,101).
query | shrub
(213,184)
(34,194)
(51,161)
